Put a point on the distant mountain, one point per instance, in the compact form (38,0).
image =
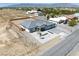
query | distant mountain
(43,5)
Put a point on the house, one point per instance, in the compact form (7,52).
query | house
(58,19)
(76,15)
(62,18)
(69,17)
(34,13)
(33,26)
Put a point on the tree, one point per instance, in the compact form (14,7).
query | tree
(47,17)
(52,15)
(72,22)
(38,9)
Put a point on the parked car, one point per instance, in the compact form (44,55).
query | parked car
(65,22)
(61,21)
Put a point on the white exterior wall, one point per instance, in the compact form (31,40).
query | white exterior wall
(57,19)
(25,29)
(54,19)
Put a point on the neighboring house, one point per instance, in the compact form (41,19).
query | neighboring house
(34,13)
(62,18)
(76,15)
(58,19)
(70,17)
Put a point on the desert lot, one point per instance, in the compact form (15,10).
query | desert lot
(10,44)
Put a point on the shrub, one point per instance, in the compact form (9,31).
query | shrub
(72,22)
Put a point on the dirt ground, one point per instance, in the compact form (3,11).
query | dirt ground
(11,45)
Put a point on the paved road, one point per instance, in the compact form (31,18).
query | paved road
(64,47)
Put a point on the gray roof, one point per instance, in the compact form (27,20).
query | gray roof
(32,24)
(28,24)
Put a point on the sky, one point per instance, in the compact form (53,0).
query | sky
(4,4)
(8,2)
